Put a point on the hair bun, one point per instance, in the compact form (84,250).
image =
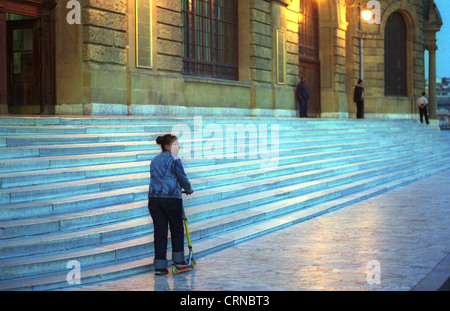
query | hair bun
(160,140)
(165,140)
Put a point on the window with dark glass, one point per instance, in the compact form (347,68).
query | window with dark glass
(210,38)
(395,56)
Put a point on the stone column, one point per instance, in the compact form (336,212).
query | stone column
(432,81)
(432,25)
(3,65)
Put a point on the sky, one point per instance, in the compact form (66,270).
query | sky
(443,42)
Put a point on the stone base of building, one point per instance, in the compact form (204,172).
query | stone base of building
(335,115)
(160,110)
(385,116)
(3,109)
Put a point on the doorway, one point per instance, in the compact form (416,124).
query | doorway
(23,61)
(309,65)
(27,62)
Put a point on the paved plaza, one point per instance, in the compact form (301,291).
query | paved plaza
(397,241)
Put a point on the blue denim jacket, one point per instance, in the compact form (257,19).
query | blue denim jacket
(167,177)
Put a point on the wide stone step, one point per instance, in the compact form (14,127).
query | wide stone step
(36,162)
(284,141)
(31,139)
(133,120)
(72,161)
(192,124)
(91,185)
(79,129)
(53,167)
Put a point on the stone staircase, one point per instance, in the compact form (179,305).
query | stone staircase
(75,188)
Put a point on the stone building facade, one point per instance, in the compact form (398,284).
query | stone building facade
(214,57)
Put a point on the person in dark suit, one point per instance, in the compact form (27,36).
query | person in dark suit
(303,96)
(358,98)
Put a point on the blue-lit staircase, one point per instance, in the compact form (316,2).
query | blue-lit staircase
(75,188)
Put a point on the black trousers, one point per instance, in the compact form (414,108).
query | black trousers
(423,112)
(303,108)
(360,109)
(167,213)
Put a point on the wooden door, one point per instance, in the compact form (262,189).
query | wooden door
(309,65)
(23,61)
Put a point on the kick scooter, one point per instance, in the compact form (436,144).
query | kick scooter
(191,262)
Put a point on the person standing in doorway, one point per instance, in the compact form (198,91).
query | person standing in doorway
(167,179)
(358,98)
(422,102)
(303,96)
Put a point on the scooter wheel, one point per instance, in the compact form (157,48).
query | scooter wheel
(174,270)
(194,263)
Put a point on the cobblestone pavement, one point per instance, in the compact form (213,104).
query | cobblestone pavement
(398,241)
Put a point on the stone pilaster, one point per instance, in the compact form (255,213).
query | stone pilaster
(432,81)
(333,27)
(260,41)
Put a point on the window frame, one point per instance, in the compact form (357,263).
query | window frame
(395,56)
(210,43)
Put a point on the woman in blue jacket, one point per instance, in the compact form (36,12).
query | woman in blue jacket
(167,178)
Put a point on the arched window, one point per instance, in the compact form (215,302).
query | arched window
(210,38)
(395,56)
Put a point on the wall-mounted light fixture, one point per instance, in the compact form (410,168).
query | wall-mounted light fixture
(366,15)
(370,9)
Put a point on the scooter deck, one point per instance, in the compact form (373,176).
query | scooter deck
(183,268)
(177,268)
